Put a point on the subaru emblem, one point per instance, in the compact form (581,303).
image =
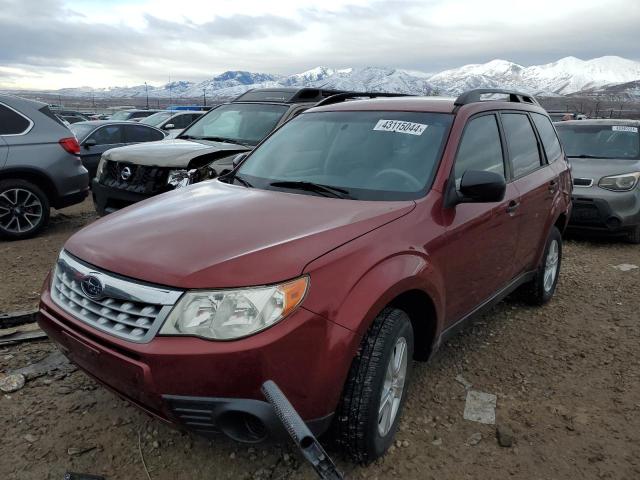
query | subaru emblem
(92,287)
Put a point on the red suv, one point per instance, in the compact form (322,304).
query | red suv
(352,241)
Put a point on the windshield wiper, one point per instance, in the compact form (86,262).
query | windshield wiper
(313,187)
(583,155)
(223,140)
(240,179)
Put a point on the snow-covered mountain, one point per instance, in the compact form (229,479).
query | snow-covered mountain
(565,76)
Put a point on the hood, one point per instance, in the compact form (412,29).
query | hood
(215,235)
(596,168)
(171,153)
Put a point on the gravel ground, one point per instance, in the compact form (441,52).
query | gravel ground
(566,376)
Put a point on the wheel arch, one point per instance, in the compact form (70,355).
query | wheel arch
(36,177)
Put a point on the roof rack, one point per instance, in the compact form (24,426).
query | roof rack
(285,94)
(341,97)
(473,96)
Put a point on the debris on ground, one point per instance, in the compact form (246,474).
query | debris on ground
(504,435)
(11,383)
(76,451)
(55,361)
(474,439)
(21,333)
(625,267)
(8,320)
(464,382)
(480,407)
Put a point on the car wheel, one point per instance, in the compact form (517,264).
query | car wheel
(542,288)
(24,209)
(369,411)
(634,235)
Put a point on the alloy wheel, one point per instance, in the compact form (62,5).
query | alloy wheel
(551,265)
(20,210)
(393,387)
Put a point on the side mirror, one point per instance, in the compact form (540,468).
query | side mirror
(479,186)
(237,160)
(91,142)
(169,126)
(476,186)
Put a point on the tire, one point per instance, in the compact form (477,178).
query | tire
(357,421)
(634,235)
(31,215)
(541,289)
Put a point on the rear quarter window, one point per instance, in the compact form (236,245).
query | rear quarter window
(12,122)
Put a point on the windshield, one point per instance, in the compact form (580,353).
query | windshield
(157,118)
(363,155)
(243,123)
(81,130)
(122,115)
(600,141)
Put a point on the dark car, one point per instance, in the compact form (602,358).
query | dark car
(172,122)
(132,114)
(605,161)
(39,167)
(204,150)
(353,240)
(98,136)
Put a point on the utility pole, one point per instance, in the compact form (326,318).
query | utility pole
(204,96)
(146,91)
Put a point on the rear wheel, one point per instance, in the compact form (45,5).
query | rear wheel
(24,209)
(375,391)
(542,288)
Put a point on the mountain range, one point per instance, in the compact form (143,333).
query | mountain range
(569,75)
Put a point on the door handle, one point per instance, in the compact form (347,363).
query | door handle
(553,186)
(513,206)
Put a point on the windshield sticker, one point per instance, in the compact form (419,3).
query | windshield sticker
(400,127)
(620,128)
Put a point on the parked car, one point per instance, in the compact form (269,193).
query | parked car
(71,119)
(353,240)
(132,114)
(204,150)
(98,136)
(172,122)
(605,161)
(39,167)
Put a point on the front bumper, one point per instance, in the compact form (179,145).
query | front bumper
(601,210)
(212,386)
(108,199)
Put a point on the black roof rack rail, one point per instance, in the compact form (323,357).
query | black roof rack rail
(286,94)
(341,97)
(473,96)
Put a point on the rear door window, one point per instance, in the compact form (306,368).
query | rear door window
(480,148)
(522,143)
(12,122)
(181,121)
(107,135)
(548,136)
(141,133)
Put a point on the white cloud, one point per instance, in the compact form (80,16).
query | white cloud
(126,42)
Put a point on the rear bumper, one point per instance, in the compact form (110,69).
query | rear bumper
(71,198)
(211,387)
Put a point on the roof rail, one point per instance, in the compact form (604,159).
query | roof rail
(341,97)
(285,94)
(473,96)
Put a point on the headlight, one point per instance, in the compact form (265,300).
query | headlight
(182,178)
(101,166)
(620,183)
(231,314)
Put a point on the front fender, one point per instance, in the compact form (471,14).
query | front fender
(353,299)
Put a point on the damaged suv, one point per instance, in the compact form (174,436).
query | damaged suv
(204,150)
(361,235)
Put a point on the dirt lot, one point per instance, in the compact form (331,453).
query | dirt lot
(567,377)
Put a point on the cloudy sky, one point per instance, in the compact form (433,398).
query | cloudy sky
(99,43)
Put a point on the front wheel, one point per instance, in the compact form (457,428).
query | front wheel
(375,391)
(544,285)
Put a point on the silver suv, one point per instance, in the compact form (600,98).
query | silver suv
(605,162)
(39,167)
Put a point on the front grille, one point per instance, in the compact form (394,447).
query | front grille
(124,308)
(143,179)
(582,182)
